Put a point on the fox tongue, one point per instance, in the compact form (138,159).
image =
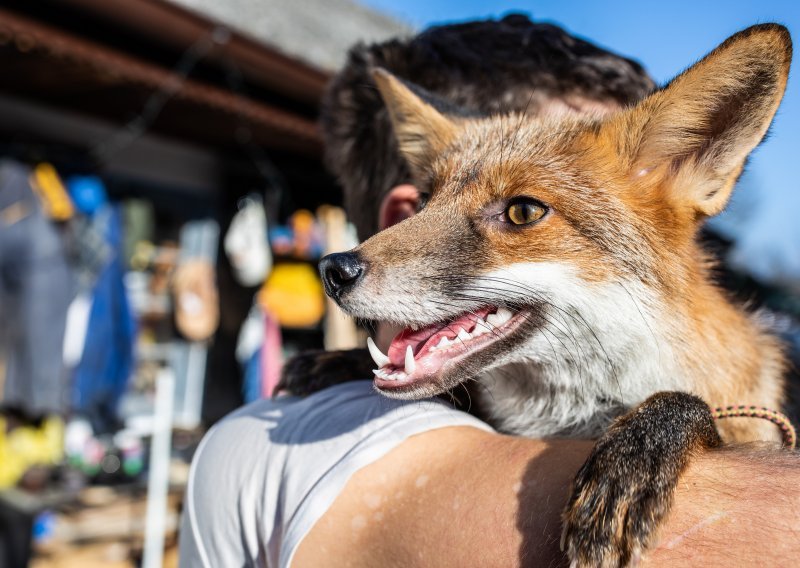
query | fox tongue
(417,339)
(399,345)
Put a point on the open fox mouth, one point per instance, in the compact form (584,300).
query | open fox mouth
(420,356)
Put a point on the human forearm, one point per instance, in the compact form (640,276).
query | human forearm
(458,496)
(450,498)
(733,507)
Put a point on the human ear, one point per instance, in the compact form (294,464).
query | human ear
(399,204)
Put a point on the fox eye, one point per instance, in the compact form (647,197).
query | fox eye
(525,212)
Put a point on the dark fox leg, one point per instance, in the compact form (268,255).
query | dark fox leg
(312,371)
(625,488)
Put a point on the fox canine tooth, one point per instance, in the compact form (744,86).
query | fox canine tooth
(410,363)
(463,335)
(377,356)
(503,315)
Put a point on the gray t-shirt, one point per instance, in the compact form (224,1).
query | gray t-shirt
(263,476)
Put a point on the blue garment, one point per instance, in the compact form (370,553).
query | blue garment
(108,356)
(88,193)
(251,385)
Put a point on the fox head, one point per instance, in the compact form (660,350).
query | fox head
(564,242)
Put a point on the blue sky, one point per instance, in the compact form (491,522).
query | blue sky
(666,37)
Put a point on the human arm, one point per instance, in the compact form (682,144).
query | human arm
(461,497)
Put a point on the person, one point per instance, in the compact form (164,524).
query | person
(347,477)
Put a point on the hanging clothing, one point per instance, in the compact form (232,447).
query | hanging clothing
(251,382)
(246,243)
(259,351)
(102,375)
(139,223)
(36,288)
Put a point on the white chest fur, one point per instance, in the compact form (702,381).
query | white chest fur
(600,350)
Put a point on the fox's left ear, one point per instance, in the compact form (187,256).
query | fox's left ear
(420,129)
(699,130)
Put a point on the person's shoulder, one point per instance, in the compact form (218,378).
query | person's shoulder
(353,408)
(341,414)
(270,412)
(284,460)
(287,420)
(290,412)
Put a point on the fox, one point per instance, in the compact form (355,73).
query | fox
(555,267)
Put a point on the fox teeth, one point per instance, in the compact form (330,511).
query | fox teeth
(505,314)
(377,355)
(501,317)
(387,376)
(463,335)
(443,342)
(493,320)
(481,327)
(410,363)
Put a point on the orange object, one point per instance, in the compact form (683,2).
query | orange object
(302,223)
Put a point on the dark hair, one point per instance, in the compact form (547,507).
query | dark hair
(490,66)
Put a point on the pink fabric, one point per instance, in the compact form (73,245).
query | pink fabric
(271,356)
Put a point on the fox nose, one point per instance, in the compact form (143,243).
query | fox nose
(340,271)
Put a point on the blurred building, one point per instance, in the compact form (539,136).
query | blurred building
(188,104)
(318,32)
(185,113)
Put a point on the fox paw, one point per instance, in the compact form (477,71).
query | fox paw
(625,488)
(611,514)
(312,371)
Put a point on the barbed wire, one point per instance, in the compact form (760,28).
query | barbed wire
(244,135)
(105,150)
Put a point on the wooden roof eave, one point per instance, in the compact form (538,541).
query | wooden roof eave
(268,124)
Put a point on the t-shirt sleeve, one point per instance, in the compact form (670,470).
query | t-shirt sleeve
(263,477)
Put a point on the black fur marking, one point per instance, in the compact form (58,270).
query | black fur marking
(313,371)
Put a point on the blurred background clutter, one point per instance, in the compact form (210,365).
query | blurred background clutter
(163,204)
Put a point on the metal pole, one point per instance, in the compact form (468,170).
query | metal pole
(158,479)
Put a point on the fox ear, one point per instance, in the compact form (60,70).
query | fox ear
(699,129)
(421,130)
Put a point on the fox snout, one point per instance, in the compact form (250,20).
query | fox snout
(340,272)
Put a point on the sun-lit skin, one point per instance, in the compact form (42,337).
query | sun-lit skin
(504,509)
